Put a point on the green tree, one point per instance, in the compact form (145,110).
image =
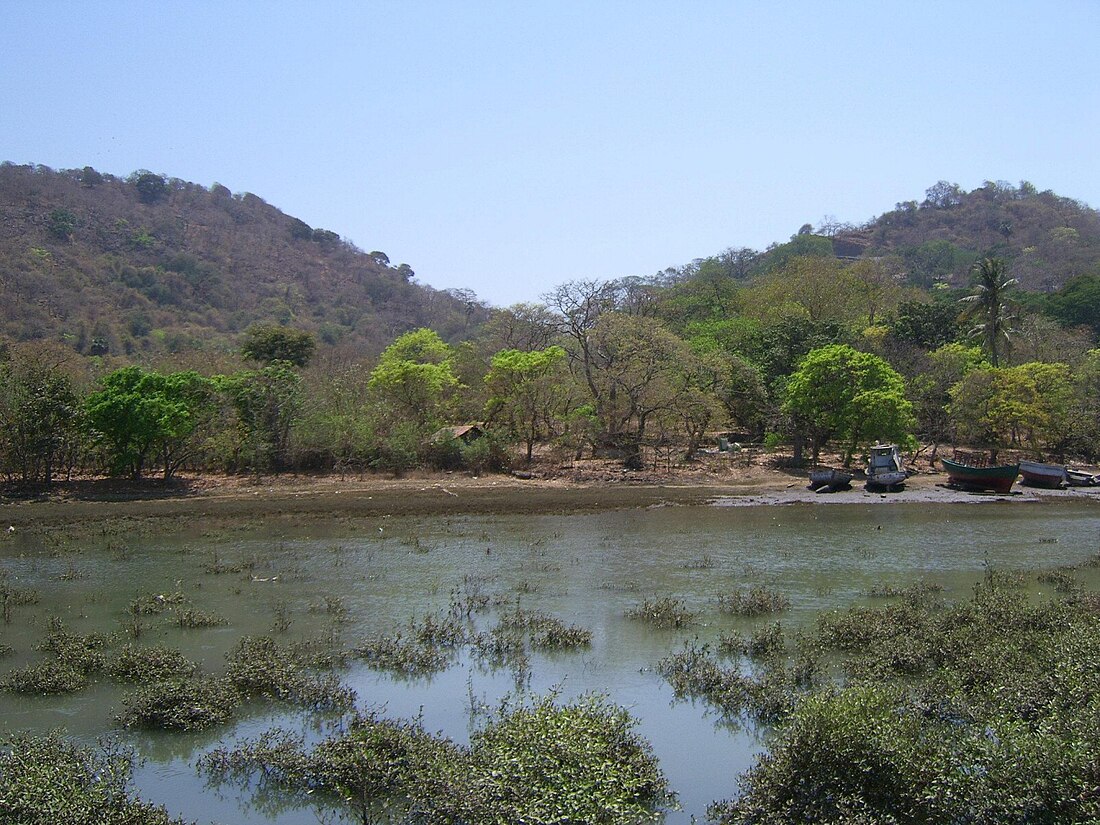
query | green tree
(62,224)
(415,376)
(874,282)
(988,308)
(270,342)
(1085,410)
(526,392)
(818,289)
(1029,405)
(142,415)
(640,373)
(90,178)
(1078,303)
(930,387)
(150,186)
(268,403)
(928,325)
(743,393)
(40,418)
(854,397)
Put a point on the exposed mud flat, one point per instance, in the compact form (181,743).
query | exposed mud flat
(301,497)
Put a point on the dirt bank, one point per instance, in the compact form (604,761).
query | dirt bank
(591,487)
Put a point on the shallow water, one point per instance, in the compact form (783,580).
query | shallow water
(587,569)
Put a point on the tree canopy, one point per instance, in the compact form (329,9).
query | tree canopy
(854,397)
(140,415)
(270,342)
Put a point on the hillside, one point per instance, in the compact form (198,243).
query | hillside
(148,264)
(1045,239)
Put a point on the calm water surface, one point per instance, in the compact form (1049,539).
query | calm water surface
(588,570)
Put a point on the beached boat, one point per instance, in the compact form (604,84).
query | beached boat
(1037,474)
(884,469)
(828,480)
(1080,478)
(998,478)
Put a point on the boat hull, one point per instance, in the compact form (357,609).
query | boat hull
(1037,474)
(1079,478)
(999,479)
(829,480)
(886,480)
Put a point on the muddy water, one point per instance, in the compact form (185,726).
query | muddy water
(588,569)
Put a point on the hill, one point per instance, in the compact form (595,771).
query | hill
(1045,239)
(150,263)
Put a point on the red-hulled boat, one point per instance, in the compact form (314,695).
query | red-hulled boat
(1038,474)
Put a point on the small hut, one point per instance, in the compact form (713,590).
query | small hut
(462,433)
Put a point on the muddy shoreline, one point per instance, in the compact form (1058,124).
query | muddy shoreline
(306,497)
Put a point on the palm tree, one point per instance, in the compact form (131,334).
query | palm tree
(988,307)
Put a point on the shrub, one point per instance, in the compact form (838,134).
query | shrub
(260,667)
(154,603)
(49,677)
(149,664)
(484,454)
(754,602)
(575,762)
(544,631)
(190,617)
(982,711)
(45,780)
(542,762)
(401,655)
(188,704)
(665,612)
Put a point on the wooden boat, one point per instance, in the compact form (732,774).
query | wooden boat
(884,470)
(828,480)
(1079,478)
(968,477)
(1037,474)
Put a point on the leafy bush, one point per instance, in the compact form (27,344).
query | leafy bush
(74,658)
(766,697)
(444,454)
(576,762)
(484,454)
(260,667)
(49,677)
(544,631)
(402,655)
(984,711)
(191,617)
(755,602)
(543,762)
(190,704)
(149,664)
(154,603)
(664,612)
(45,780)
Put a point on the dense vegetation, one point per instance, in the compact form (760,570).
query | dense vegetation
(45,780)
(151,264)
(981,711)
(625,369)
(155,325)
(541,762)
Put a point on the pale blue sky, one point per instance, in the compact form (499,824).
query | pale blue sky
(508,147)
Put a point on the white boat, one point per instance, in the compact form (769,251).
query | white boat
(884,468)
(1038,474)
